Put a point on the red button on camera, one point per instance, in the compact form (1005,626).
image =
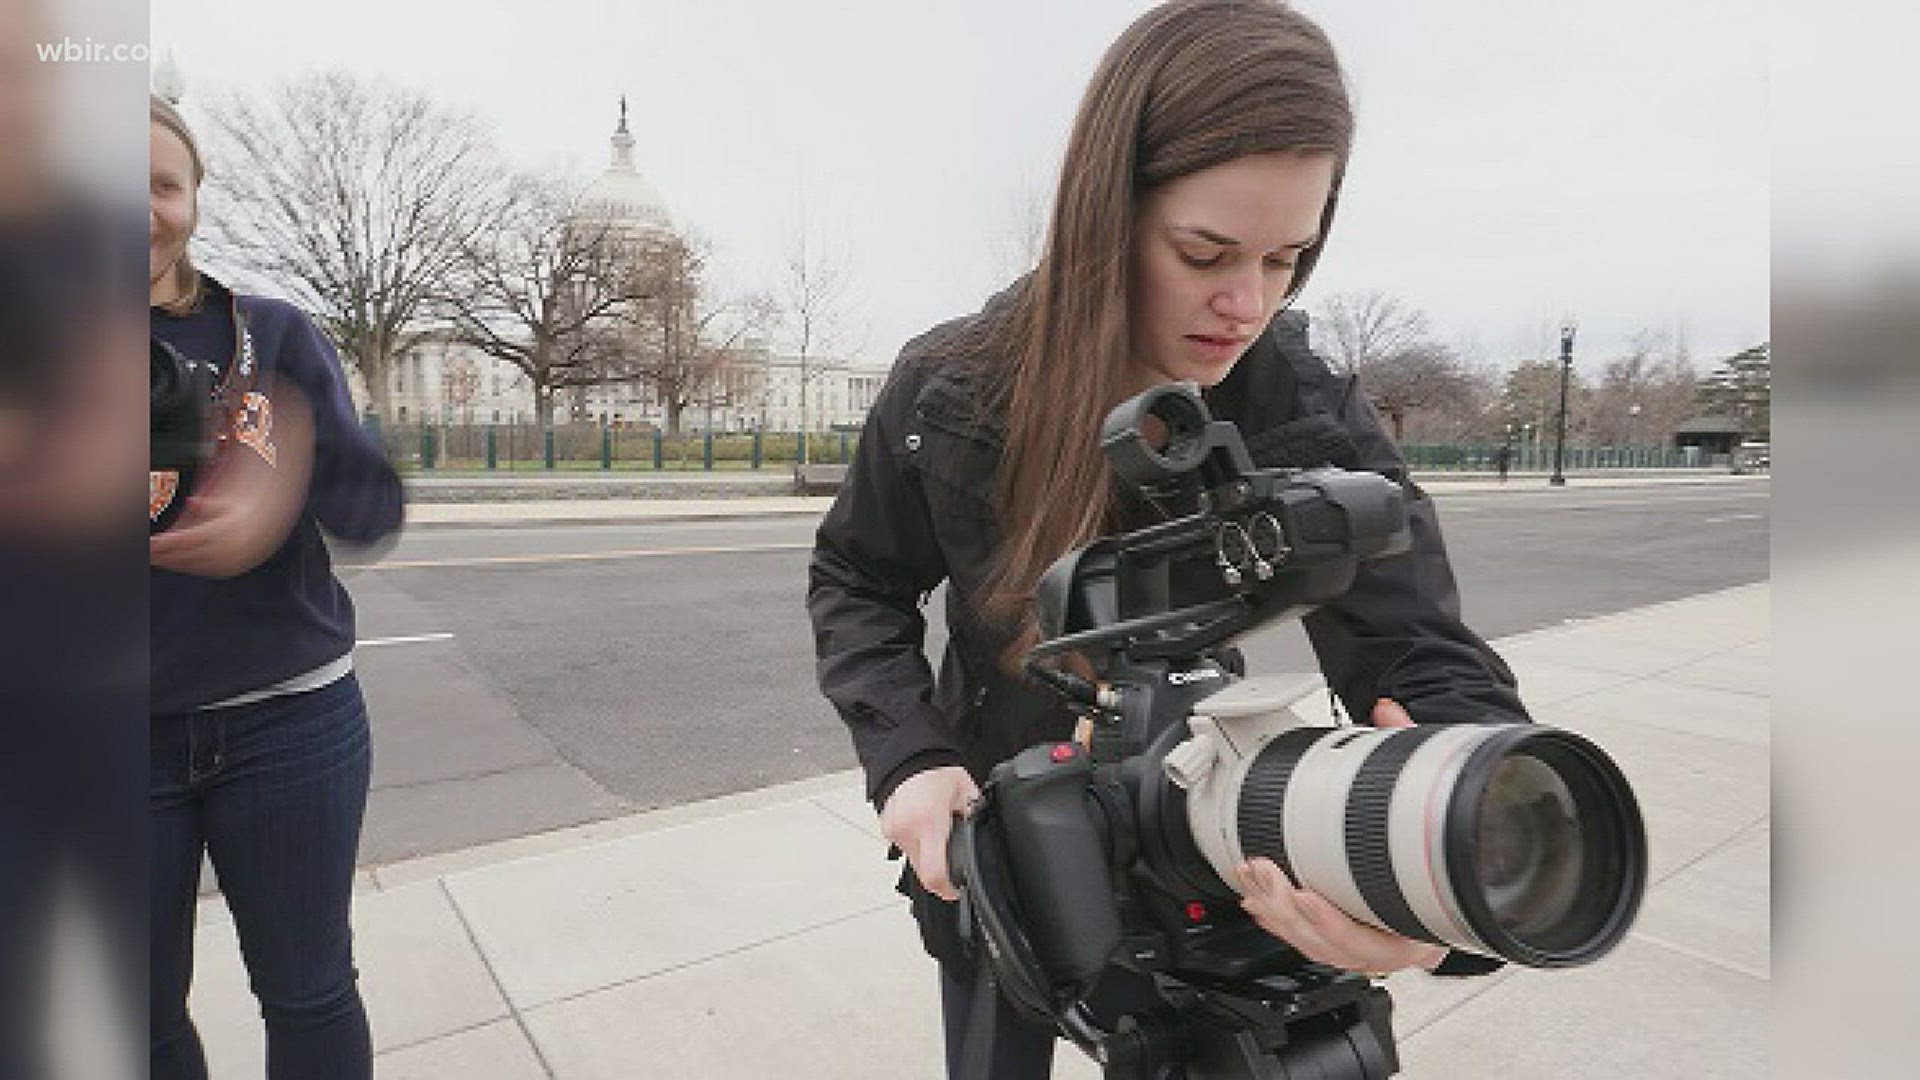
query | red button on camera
(1062,752)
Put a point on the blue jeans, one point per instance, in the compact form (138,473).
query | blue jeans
(274,793)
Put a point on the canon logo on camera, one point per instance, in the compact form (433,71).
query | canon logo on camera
(1182,678)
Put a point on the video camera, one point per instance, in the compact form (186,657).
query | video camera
(1083,868)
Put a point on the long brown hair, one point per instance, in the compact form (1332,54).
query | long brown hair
(1191,84)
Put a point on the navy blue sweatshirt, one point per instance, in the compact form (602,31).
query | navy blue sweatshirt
(214,639)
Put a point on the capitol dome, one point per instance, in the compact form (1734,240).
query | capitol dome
(620,196)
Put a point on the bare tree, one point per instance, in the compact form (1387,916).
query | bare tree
(550,292)
(353,198)
(809,298)
(1531,400)
(1023,234)
(1391,347)
(1471,411)
(1360,330)
(683,340)
(1643,394)
(1422,376)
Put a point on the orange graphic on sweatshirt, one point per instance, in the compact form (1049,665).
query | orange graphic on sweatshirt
(253,425)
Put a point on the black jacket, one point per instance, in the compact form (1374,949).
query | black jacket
(916,509)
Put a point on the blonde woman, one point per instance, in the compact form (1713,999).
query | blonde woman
(259,746)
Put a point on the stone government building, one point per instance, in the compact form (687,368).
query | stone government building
(444,381)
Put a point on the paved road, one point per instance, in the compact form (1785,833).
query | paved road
(526,679)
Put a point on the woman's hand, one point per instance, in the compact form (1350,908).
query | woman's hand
(1320,931)
(918,818)
(1323,933)
(244,506)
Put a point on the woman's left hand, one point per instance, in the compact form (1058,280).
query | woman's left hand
(1320,931)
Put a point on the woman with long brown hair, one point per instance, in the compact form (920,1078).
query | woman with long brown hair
(1197,194)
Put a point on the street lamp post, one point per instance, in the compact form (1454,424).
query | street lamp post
(1559,478)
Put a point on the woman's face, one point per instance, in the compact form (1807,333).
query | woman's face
(1213,254)
(170,201)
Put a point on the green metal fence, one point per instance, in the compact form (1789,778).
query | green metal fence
(589,447)
(592,446)
(1527,458)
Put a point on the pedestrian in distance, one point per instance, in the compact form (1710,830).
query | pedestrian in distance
(1503,460)
(1197,195)
(259,753)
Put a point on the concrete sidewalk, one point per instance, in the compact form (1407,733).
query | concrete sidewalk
(636,511)
(759,934)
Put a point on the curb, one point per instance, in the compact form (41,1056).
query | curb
(590,518)
(651,511)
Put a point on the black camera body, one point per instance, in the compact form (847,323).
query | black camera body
(180,409)
(1083,868)
(1062,870)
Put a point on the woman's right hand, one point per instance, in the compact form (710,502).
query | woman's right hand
(918,818)
(251,496)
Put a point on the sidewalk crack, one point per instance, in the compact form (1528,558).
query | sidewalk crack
(1737,836)
(722,955)
(1491,982)
(1666,674)
(843,819)
(483,774)
(1696,954)
(513,1009)
(463,1029)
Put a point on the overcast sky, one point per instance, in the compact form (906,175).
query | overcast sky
(1516,162)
